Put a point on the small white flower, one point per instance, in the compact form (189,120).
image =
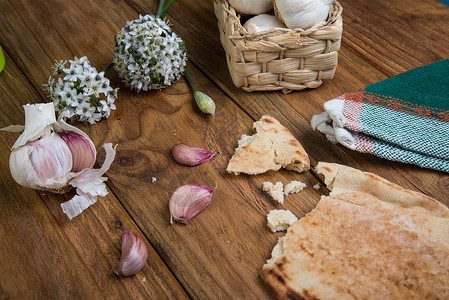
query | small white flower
(81,91)
(58,66)
(148,55)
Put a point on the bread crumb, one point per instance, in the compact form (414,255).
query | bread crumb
(153,179)
(276,191)
(294,187)
(317,186)
(280,219)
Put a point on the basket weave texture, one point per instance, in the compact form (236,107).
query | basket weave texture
(281,58)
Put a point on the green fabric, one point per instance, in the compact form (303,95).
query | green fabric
(402,118)
(425,86)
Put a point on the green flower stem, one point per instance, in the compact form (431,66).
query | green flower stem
(163,8)
(190,81)
(204,102)
(108,67)
(2,59)
(166,7)
(160,8)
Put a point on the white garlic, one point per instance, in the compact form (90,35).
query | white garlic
(55,156)
(262,22)
(42,164)
(302,13)
(252,7)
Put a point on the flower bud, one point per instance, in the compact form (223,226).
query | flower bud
(205,103)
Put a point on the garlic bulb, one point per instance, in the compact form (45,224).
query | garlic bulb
(134,255)
(302,13)
(55,156)
(262,22)
(252,7)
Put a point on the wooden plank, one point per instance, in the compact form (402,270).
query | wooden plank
(355,70)
(199,254)
(220,252)
(44,254)
(400,35)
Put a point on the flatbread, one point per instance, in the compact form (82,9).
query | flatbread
(272,146)
(339,178)
(369,239)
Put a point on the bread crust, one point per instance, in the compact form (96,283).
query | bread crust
(360,242)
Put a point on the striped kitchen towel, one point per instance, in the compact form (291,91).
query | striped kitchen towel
(403,118)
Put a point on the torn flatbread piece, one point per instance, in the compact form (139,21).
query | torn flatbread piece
(339,178)
(272,146)
(369,239)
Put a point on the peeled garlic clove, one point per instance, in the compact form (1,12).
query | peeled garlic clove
(188,201)
(252,7)
(82,149)
(262,22)
(302,13)
(134,255)
(205,103)
(191,156)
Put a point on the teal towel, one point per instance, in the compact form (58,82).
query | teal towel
(403,118)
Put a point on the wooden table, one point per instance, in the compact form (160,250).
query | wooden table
(218,255)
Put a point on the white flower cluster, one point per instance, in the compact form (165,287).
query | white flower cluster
(148,55)
(80,91)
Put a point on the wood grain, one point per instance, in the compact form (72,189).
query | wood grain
(220,252)
(44,254)
(355,70)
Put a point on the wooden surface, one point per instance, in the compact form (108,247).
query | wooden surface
(219,254)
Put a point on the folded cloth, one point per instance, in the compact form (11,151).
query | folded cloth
(403,118)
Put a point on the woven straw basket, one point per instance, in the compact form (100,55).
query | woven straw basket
(281,58)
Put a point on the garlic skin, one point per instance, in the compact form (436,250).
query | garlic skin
(134,255)
(191,156)
(302,13)
(55,156)
(252,7)
(188,201)
(262,22)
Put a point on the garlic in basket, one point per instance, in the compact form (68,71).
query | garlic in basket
(302,13)
(262,22)
(252,7)
(55,156)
